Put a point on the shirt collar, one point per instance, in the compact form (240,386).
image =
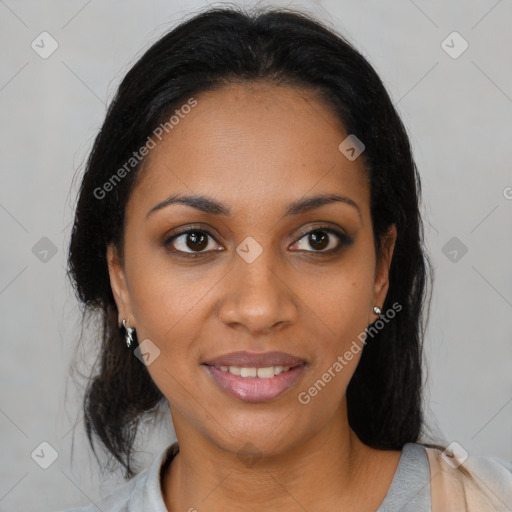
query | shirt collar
(147,492)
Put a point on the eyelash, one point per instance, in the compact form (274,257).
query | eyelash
(343,240)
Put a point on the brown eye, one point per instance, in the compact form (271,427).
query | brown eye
(322,240)
(189,242)
(196,240)
(318,240)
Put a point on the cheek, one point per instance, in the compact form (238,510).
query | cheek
(342,305)
(341,301)
(342,314)
(167,307)
(165,304)
(163,295)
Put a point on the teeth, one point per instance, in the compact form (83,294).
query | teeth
(235,370)
(248,372)
(263,373)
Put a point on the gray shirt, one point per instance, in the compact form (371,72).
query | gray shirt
(409,490)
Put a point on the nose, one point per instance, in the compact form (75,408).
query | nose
(257,297)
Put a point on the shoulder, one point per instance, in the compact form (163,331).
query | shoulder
(142,492)
(478,481)
(409,489)
(116,501)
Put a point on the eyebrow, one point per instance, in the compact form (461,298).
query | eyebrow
(208,205)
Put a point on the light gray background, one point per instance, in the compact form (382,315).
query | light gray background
(458,114)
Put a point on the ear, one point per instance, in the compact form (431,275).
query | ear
(381,284)
(119,286)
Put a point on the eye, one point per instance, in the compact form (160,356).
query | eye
(191,242)
(322,240)
(194,242)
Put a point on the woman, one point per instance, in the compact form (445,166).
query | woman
(248,229)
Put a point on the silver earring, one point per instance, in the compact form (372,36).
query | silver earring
(377,310)
(129,334)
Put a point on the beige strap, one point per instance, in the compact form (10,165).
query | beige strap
(467,488)
(446,486)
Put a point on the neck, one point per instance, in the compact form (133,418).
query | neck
(331,468)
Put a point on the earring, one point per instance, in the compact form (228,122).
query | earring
(377,310)
(129,334)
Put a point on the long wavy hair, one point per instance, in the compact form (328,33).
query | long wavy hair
(216,47)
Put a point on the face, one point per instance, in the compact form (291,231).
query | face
(251,268)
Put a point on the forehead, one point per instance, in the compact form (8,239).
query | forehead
(258,143)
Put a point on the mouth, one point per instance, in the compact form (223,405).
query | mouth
(246,359)
(265,372)
(255,377)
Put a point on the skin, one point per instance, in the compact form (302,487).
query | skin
(256,148)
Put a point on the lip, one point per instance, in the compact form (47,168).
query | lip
(254,389)
(255,360)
